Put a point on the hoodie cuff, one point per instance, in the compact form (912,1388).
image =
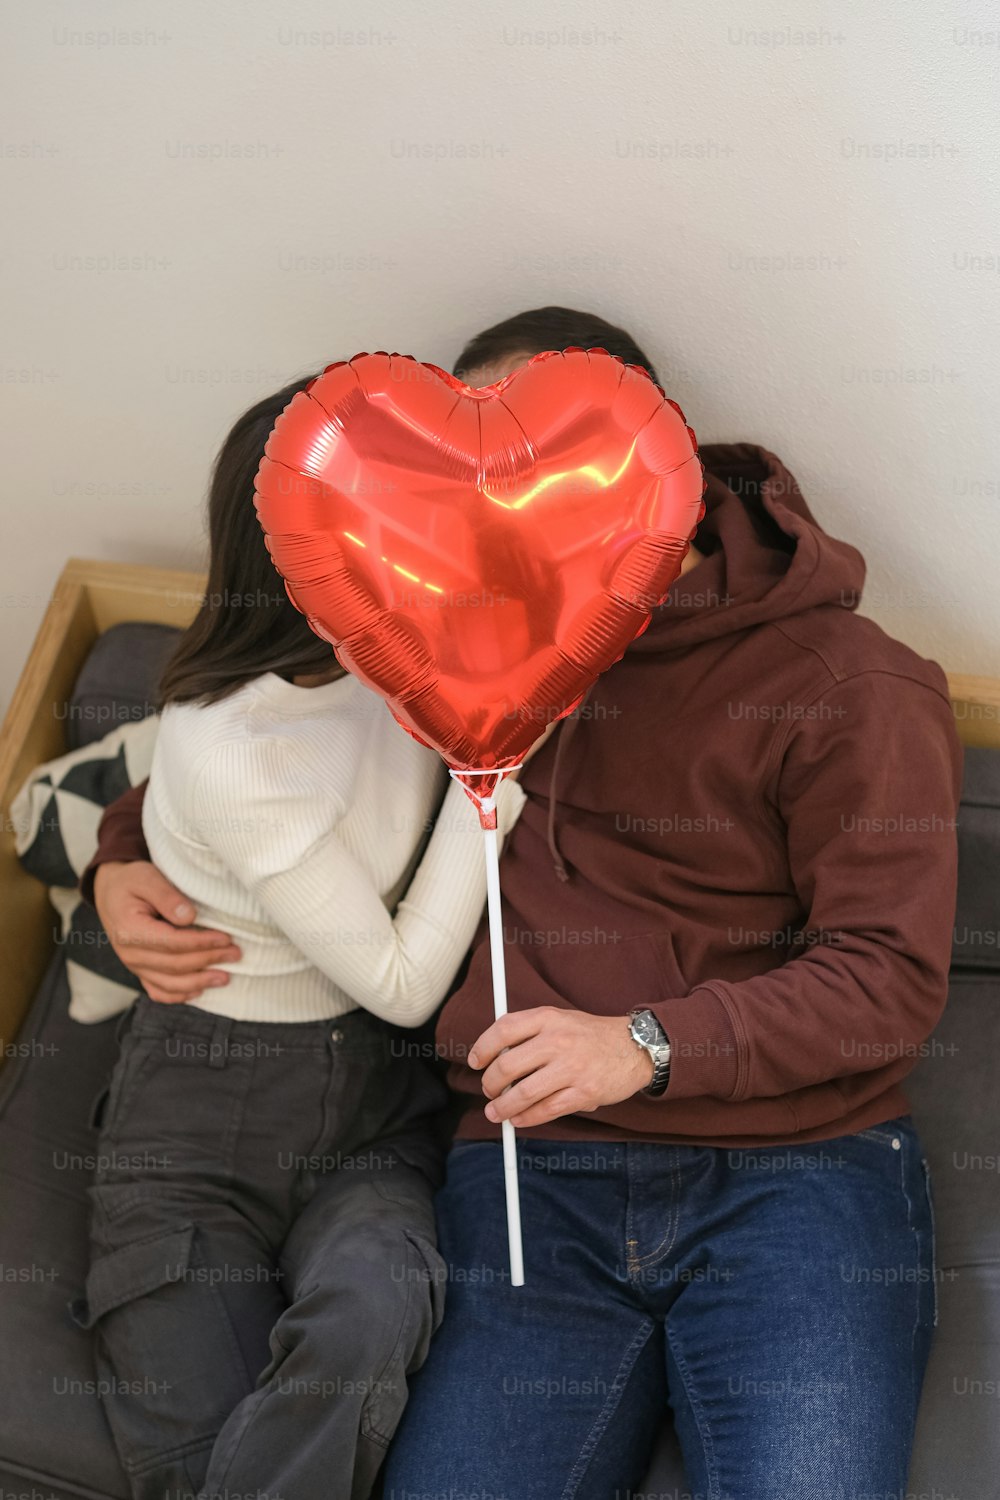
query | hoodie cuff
(705,1053)
(120,837)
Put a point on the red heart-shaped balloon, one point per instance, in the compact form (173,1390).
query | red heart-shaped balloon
(479,556)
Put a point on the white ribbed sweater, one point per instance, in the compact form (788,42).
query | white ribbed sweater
(292,817)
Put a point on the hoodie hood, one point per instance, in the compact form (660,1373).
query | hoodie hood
(766,557)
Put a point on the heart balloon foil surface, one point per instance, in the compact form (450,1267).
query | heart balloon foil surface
(478,556)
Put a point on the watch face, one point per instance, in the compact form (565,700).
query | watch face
(644,1027)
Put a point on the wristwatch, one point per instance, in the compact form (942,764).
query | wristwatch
(646,1031)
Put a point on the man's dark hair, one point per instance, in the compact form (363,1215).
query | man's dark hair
(247,624)
(549,328)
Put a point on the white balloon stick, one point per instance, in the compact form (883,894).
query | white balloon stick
(500,1009)
(515,1246)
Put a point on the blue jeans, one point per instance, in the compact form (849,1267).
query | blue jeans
(779,1300)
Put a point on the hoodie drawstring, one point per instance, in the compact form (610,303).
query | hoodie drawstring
(563,736)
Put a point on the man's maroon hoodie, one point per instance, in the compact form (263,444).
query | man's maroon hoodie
(749,828)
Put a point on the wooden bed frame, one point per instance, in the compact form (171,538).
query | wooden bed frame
(89,598)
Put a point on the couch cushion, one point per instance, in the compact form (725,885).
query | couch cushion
(977,915)
(957,1449)
(118,681)
(56,815)
(956,1105)
(52,1427)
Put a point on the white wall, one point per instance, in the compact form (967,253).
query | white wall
(795,208)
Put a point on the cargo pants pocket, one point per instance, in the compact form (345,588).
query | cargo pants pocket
(169,1368)
(421,1298)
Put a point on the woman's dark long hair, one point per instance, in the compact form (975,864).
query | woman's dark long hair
(246,624)
(548,328)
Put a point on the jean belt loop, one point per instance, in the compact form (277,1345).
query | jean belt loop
(218,1050)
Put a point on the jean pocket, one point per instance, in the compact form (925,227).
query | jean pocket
(900,1151)
(932,1248)
(891,1133)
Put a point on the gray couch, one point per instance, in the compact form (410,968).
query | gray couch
(54,1442)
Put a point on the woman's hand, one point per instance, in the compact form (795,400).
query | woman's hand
(149,925)
(544,1063)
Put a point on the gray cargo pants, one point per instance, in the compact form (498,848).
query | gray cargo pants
(264,1273)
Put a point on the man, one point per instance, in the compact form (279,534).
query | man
(727,909)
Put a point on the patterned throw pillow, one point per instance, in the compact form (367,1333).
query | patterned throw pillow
(56,816)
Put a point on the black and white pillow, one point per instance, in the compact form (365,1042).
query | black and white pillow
(56,816)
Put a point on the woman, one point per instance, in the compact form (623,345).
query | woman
(264,1275)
